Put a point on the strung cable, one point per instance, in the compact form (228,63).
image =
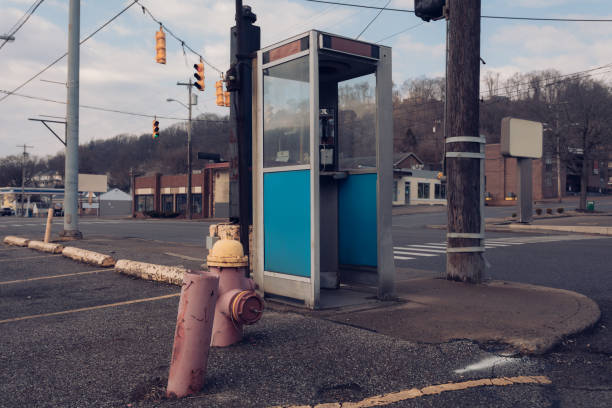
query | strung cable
(21,21)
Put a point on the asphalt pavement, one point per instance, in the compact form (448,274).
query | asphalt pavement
(93,337)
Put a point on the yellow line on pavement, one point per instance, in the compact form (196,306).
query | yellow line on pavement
(54,276)
(29,257)
(391,398)
(85,309)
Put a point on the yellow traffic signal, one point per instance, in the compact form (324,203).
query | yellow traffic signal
(199,75)
(155,128)
(160,46)
(226,97)
(219,92)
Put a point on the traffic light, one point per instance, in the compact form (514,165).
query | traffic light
(155,128)
(160,46)
(199,75)
(219,92)
(429,9)
(226,98)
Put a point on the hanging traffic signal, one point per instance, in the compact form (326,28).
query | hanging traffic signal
(429,9)
(160,46)
(199,75)
(226,97)
(219,92)
(155,128)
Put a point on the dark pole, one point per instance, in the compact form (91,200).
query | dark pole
(189,154)
(245,39)
(465,237)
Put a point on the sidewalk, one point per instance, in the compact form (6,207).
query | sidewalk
(585,223)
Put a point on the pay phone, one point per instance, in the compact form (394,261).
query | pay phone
(327,132)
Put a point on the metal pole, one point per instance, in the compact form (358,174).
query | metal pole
(189,155)
(71,188)
(525,190)
(23,179)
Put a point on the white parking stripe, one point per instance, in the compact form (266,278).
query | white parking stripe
(403,258)
(439,251)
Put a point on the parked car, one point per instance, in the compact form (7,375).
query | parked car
(6,211)
(58,210)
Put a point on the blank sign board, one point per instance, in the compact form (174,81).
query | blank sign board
(93,182)
(521,138)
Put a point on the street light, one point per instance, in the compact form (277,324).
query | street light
(188,149)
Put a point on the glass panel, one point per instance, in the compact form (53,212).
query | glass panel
(167,203)
(196,203)
(181,203)
(423,190)
(407,193)
(357,123)
(286,103)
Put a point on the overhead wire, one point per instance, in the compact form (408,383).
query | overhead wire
(400,32)
(99,108)
(58,59)
(17,26)
(181,41)
(371,21)
(560,19)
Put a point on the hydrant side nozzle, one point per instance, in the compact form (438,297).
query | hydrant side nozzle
(247,307)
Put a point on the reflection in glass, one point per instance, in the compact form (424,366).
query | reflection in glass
(357,123)
(286,103)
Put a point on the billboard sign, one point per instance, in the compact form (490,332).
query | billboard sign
(521,138)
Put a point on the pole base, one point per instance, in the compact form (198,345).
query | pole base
(70,235)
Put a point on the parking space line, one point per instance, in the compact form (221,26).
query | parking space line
(54,276)
(391,398)
(85,309)
(29,257)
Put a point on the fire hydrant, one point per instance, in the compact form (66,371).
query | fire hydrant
(238,303)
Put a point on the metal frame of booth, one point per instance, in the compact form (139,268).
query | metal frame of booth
(286,195)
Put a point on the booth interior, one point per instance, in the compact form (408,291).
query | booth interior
(322,223)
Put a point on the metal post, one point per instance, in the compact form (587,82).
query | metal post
(71,188)
(189,155)
(525,190)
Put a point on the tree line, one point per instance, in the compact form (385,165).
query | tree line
(576,111)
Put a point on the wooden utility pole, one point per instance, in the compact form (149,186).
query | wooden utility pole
(464,147)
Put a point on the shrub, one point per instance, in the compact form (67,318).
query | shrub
(538,211)
(159,214)
(513,215)
(560,210)
(549,211)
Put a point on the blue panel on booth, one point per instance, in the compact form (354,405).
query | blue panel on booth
(287,222)
(357,232)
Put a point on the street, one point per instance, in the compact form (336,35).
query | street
(67,326)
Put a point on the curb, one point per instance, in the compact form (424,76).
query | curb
(16,241)
(147,271)
(565,228)
(46,247)
(89,257)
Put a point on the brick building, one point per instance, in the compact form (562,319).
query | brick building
(168,193)
(501,177)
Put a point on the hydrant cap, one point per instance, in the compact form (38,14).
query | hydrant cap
(227,253)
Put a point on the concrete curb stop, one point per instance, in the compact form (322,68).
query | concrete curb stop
(89,257)
(16,241)
(147,271)
(46,247)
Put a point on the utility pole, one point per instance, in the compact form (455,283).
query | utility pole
(464,147)
(23,162)
(245,39)
(189,104)
(71,182)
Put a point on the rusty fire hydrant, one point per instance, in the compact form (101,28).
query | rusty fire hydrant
(238,303)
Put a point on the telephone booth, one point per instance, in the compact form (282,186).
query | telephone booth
(322,168)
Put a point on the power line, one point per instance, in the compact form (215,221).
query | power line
(371,21)
(66,53)
(400,32)
(21,21)
(587,20)
(99,108)
(182,42)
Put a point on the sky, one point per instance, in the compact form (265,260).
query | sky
(118,68)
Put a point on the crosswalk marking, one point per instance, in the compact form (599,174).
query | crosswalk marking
(413,253)
(430,249)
